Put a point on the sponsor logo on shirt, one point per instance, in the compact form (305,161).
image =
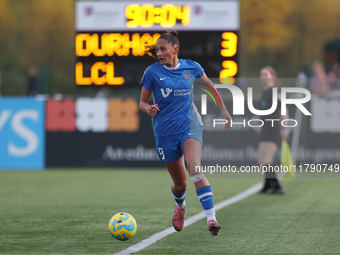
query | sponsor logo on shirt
(166,93)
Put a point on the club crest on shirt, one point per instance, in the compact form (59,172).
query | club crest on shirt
(186,76)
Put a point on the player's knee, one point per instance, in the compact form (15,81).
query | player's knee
(180,187)
(194,168)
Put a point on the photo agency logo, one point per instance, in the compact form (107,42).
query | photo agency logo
(282,100)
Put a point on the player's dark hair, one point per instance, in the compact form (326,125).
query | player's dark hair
(170,36)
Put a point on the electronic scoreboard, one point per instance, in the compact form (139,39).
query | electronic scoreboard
(111,37)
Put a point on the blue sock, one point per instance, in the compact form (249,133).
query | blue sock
(180,200)
(205,196)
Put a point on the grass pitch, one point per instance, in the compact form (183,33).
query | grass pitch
(67,212)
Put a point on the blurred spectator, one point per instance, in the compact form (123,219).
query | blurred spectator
(334,76)
(270,135)
(331,54)
(304,76)
(32,81)
(319,83)
(302,80)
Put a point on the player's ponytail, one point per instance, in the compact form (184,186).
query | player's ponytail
(151,51)
(174,33)
(171,36)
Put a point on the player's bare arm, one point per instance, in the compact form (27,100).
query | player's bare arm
(205,81)
(144,103)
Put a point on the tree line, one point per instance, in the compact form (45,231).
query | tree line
(286,34)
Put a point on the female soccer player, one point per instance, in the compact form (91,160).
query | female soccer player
(270,133)
(177,125)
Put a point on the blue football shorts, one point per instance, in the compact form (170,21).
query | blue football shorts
(170,148)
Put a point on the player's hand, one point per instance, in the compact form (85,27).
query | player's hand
(259,130)
(284,133)
(227,117)
(153,110)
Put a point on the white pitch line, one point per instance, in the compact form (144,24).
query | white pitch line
(158,236)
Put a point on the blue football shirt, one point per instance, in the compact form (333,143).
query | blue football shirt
(172,91)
